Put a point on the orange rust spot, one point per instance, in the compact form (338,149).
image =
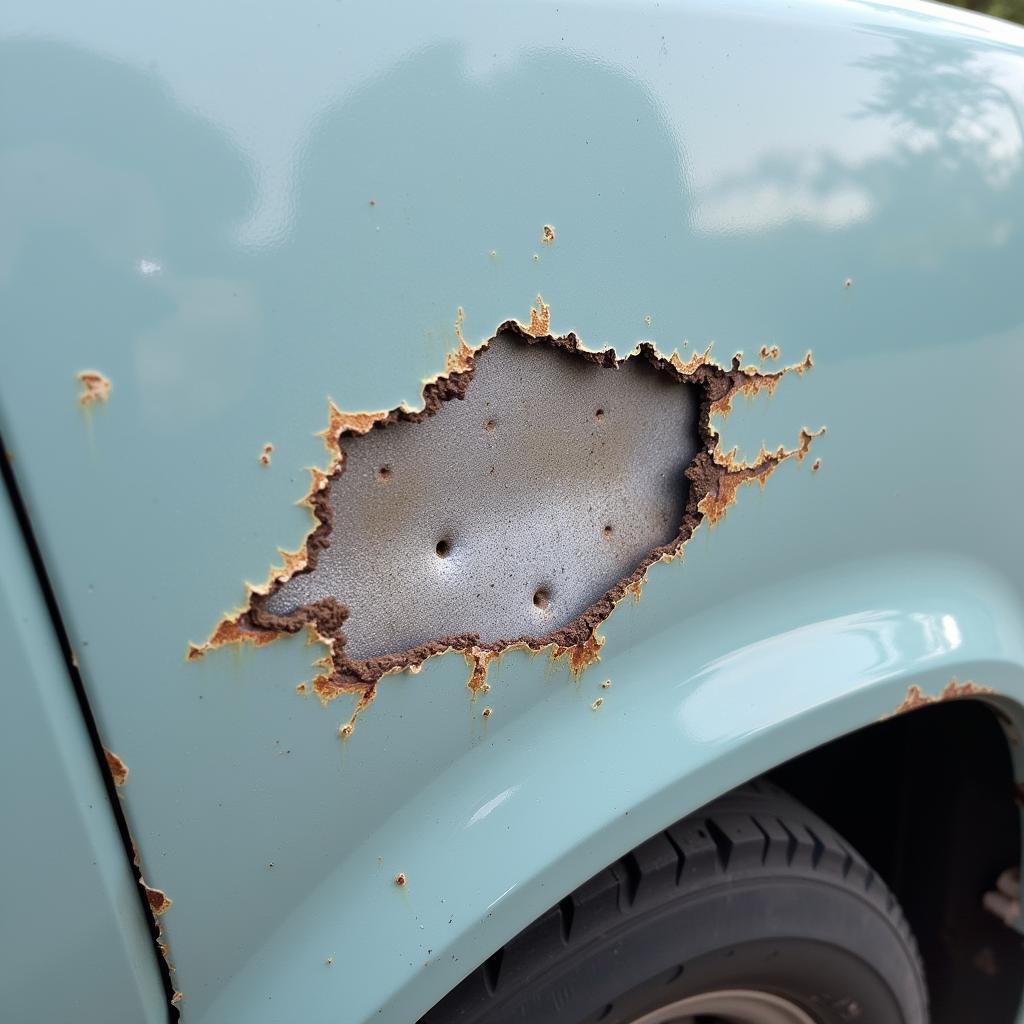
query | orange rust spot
(327,689)
(291,563)
(815,465)
(338,422)
(581,656)
(365,700)
(176,998)
(547,235)
(159,902)
(755,382)
(265,454)
(463,358)
(95,387)
(953,690)
(597,703)
(230,631)
(118,769)
(696,360)
(486,713)
(302,690)
(635,588)
(769,352)
(606,685)
(478,662)
(714,506)
(460,360)
(540,319)
(400,879)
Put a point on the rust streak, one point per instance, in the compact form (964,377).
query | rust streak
(582,655)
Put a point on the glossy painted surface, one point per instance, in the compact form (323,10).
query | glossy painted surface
(74,938)
(235,215)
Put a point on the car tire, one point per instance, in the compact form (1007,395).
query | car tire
(751,910)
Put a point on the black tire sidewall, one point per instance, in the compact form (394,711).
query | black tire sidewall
(821,944)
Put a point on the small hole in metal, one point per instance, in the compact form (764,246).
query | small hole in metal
(384,473)
(608,530)
(599,415)
(443,548)
(490,425)
(542,598)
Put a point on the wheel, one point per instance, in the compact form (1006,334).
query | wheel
(750,911)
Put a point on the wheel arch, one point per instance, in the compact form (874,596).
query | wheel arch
(556,790)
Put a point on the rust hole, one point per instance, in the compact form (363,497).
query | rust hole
(362,581)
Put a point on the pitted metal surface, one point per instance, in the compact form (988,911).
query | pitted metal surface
(509,512)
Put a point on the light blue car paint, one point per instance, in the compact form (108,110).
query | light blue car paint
(187,209)
(75,941)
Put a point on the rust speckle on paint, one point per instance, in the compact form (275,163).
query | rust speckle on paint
(547,235)
(118,769)
(268,450)
(95,388)
(597,703)
(400,880)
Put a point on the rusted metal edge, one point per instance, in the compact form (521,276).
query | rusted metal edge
(715,477)
(953,690)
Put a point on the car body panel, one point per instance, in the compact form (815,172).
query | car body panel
(235,216)
(74,934)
